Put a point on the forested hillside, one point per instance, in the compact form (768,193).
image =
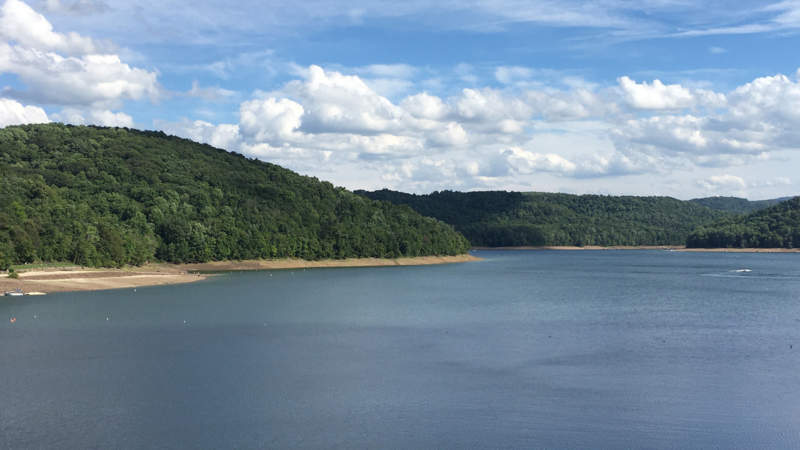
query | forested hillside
(111,196)
(737,205)
(774,227)
(499,218)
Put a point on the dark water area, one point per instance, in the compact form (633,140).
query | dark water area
(526,349)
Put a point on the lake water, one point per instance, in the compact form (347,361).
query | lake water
(594,349)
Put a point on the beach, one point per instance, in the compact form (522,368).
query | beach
(85,279)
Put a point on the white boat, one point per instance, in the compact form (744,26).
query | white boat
(14,293)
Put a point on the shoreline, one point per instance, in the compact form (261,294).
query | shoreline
(676,248)
(72,279)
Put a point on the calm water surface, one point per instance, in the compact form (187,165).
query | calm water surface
(607,349)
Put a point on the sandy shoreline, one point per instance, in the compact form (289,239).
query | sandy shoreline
(83,279)
(677,248)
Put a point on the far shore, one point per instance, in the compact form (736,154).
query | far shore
(67,279)
(677,248)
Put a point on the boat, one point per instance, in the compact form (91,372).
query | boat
(15,293)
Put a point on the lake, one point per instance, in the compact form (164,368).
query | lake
(557,349)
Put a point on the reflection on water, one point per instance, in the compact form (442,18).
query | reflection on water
(524,349)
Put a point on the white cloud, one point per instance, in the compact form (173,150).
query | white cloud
(525,162)
(20,23)
(211,94)
(723,183)
(569,105)
(389,87)
(271,120)
(656,95)
(224,136)
(65,69)
(15,113)
(88,80)
(342,103)
(451,135)
(758,118)
(489,105)
(327,121)
(512,74)
(388,70)
(425,106)
(94,117)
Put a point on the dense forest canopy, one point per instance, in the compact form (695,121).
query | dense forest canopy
(499,218)
(775,227)
(112,196)
(737,205)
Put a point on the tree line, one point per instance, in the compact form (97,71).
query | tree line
(113,196)
(500,218)
(775,227)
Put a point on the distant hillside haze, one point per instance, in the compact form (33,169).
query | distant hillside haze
(111,196)
(500,218)
(775,227)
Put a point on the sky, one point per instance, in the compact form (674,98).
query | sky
(653,97)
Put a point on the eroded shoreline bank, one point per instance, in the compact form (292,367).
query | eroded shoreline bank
(85,279)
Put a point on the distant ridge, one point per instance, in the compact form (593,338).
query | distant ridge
(737,205)
(502,219)
(112,196)
(775,227)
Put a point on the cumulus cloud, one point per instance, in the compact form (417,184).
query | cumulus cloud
(104,118)
(342,104)
(15,113)
(656,95)
(271,120)
(758,118)
(659,96)
(20,23)
(489,137)
(580,103)
(88,80)
(487,105)
(65,69)
(723,183)
(425,106)
(225,136)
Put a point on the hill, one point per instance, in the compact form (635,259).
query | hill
(499,218)
(775,227)
(111,196)
(737,205)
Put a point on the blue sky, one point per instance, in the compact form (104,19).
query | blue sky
(656,97)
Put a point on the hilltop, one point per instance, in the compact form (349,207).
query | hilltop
(111,196)
(775,227)
(737,205)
